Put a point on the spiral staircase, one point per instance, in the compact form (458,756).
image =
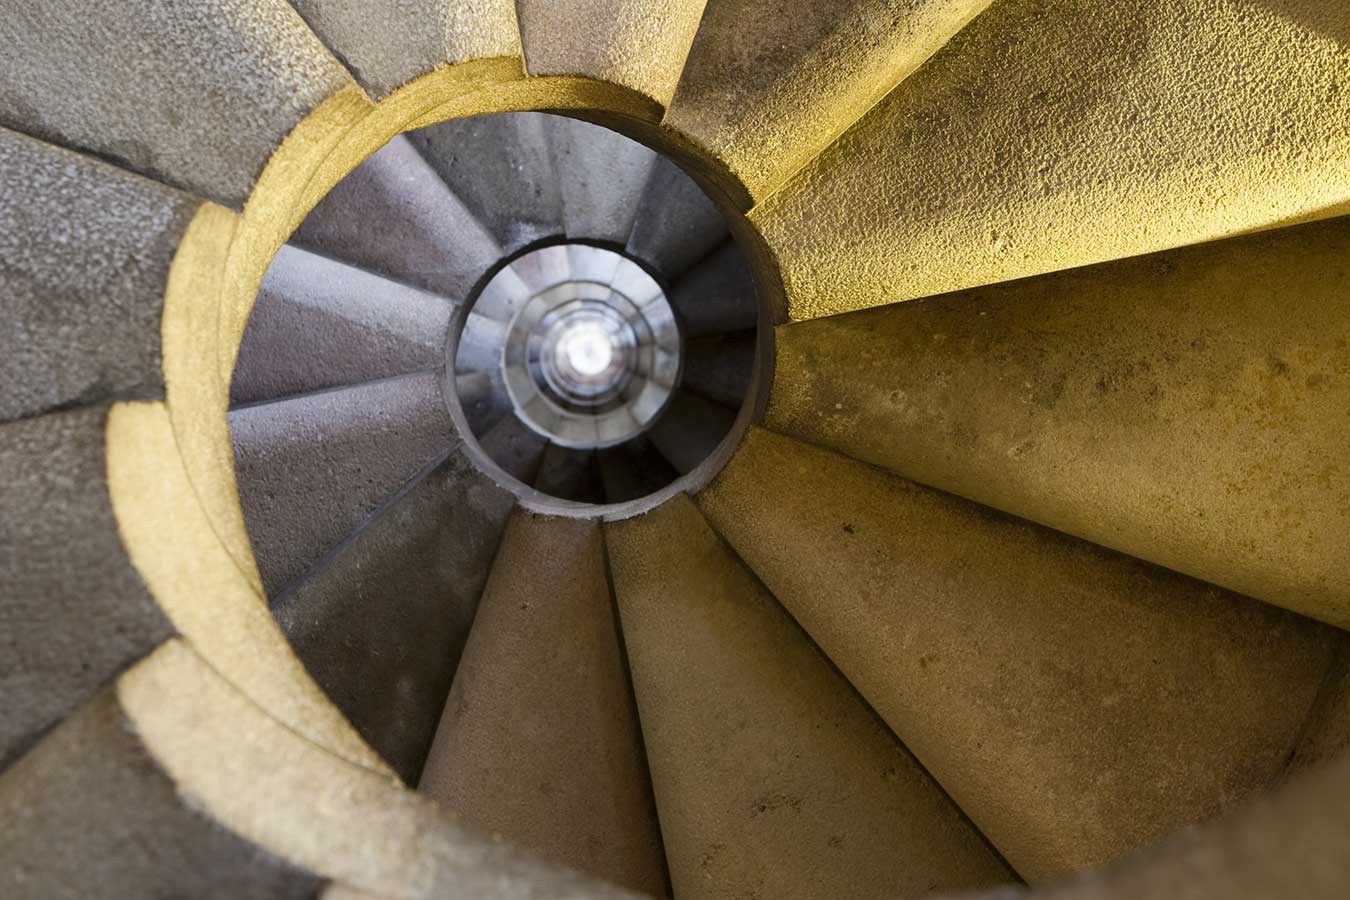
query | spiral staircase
(599,448)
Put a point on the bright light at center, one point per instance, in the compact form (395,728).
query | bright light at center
(588,350)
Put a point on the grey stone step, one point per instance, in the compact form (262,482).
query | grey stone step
(389,44)
(717,295)
(86,250)
(540,742)
(633,470)
(721,367)
(1076,703)
(1190,408)
(73,610)
(312,469)
(690,429)
(570,474)
(381,625)
(502,169)
(759,748)
(601,176)
(192,94)
(676,223)
(319,324)
(484,399)
(394,216)
(515,447)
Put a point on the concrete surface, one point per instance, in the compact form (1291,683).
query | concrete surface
(601,176)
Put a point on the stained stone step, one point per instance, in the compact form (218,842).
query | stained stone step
(539,741)
(320,324)
(772,777)
(1022,666)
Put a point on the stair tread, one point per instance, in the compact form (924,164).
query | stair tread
(717,295)
(381,624)
(358,326)
(690,429)
(769,83)
(570,474)
(427,237)
(1187,407)
(771,775)
(313,468)
(676,223)
(1051,135)
(601,175)
(721,367)
(197,96)
(539,741)
(1022,666)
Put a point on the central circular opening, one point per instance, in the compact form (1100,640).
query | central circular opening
(588,351)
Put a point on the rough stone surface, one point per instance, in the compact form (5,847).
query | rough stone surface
(772,776)
(484,398)
(601,176)
(1058,133)
(501,168)
(390,43)
(1327,735)
(676,224)
(717,295)
(690,429)
(321,324)
(84,253)
(196,95)
(515,447)
(640,44)
(313,469)
(1076,703)
(73,611)
(540,741)
(425,236)
(89,813)
(721,367)
(1190,407)
(382,625)
(570,474)
(770,83)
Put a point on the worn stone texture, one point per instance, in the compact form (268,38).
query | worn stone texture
(501,167)
(388,44)
(540,742)
(381,626)
(770,83)
(639,44)
(73,610)
(318,324)
(1058,133)
(1074,702)
(772,776)
(314,468)
(89,813)
(721,367)
(84,253)
(426,237)
(690,429)
(676,223)
(601,177)
(196,95)
(1190,407)
(717,295)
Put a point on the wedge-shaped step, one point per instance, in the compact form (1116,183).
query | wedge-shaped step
(382,624)
(633,470)
(515,447)
(388,44)
(690,429)
(1052,135)
(676,223)
(1190,408)
(73,610)
(502,169)
(540,742)
(313,469)
(640,44)
(772,777)
(769,83)
(601,176)
(717,295)
(318,324)
(426,237)
(570,474)
(197,95)
(721,367)
(1076,703)
(86,250)
(171,783)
